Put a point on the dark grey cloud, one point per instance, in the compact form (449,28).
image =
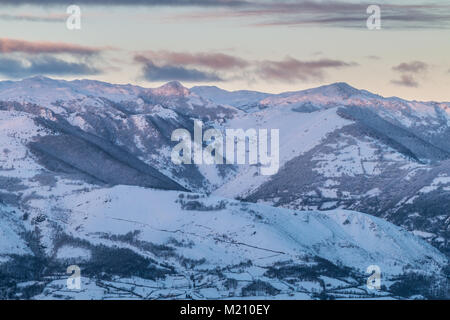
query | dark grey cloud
(32,18)
(152,72)
(409,71)
(413,20)
(411,67)
(207,3)
(43,65)
(336,13)
(406,80)
(184,66)
(344,13)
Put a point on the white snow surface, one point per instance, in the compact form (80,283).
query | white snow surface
(235,232)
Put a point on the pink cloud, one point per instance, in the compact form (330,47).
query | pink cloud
(291,69)
(217,61)
(12,45)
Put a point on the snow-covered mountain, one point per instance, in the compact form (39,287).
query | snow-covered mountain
(242,99)
(348,148)
(86,179)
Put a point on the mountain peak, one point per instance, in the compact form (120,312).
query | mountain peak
(340,88)
(172,88)
(38,78)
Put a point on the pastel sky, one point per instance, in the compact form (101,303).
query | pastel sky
(266,45)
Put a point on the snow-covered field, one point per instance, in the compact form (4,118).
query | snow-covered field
(194,236)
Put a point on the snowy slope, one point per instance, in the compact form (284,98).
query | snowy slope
(242,99)
(299,133)
(229,232)
(191,236)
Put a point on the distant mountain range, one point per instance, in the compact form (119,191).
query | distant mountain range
(86,178)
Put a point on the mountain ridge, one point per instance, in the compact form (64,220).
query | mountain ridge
(345,87)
